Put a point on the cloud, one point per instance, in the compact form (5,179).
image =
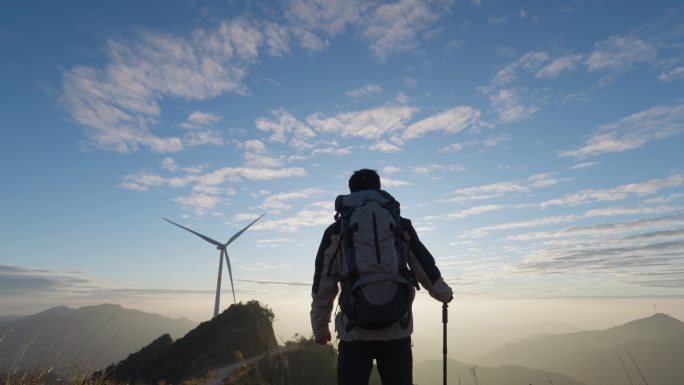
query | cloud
(428,169)
(313,215)
(617,193)
(279,201)
(366,90)
(199,119)
(367,124)
(619,53)
(387,182)
(203,138)
(530,62)
(395,28)
(508,105)
(284,126)
(384,146)
(451,121)
(488,191)
(551,220)
(632,132)
(605,229)
(209,189)
(559,66)
(16,280)
(329,17)
(389,170)
(477,210)
(580,166)
(521,14)
(272,242)
(119,104)
(672,74)
(630,210)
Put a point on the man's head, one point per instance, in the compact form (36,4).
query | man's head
(364,179)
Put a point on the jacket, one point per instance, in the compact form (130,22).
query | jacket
(326,287)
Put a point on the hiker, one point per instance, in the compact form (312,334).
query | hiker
(375,257)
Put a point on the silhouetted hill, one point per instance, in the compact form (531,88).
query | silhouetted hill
(91,337)
(430,373)
(656,343)
(247,328)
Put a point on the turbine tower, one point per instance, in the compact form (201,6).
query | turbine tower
(222,252)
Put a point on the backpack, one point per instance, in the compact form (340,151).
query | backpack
(377,285)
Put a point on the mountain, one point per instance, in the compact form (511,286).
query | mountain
(89,337)
(656,343)
(430,373)
(241,331)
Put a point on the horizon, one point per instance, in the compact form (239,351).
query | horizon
(535,146)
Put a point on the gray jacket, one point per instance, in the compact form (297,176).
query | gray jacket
(326,287)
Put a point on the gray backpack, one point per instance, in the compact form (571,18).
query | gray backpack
(377,285)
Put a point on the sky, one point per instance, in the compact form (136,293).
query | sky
(535,145)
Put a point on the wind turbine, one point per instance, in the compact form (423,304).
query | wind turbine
(222,247)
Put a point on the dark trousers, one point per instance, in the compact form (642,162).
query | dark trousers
(394,360)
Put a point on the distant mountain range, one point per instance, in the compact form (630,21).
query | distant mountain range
(90,337)
(430,372)
(653,346)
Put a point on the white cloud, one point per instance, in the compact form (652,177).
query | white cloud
(284,127)
(507,104)
(619,53)
(367,124)
(332,150)
(390,170)
(617,193)
(559,66)
(488,191)
(169,164)
(199,119)
(395,28)
(279,201)
(452,147)
(552,220)
(315,214)
(118,104)
(366,90)
(451,121)
(205,137)
(207,192)
(633,131)
(580,166)
(330,17)
(255,146)
(604,229)
(672,74)
(427,169)
(273,242)
(530,62)
(626,210)
(384,146)
(476,211)
(245,217)
(262,160)
(387,182)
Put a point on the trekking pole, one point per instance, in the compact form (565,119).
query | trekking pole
(445,307)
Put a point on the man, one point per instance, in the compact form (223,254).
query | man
(361,343)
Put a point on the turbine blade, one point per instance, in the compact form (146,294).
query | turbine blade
(196,233)
(230,273)
(234,237)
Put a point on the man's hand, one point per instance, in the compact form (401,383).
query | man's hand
(324,340)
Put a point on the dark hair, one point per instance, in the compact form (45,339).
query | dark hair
(364,179)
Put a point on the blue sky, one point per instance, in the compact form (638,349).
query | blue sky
(535,145)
